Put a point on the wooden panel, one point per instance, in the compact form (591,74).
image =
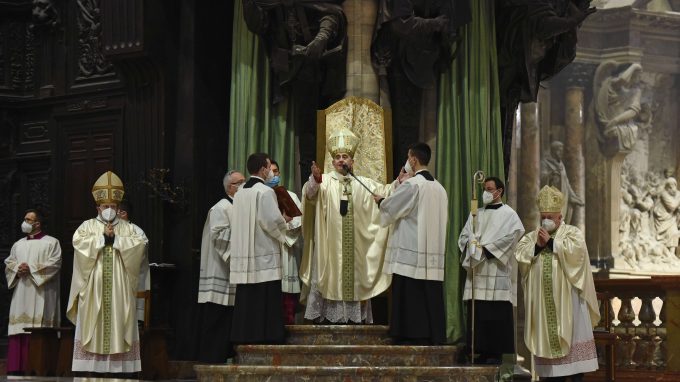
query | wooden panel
(87,146)
(123,27)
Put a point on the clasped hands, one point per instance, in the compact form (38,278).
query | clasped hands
(23,270)
(542,238)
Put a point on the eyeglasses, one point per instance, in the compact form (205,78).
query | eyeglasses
(238,183)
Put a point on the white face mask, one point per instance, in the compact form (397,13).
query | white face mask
(408,168)
(270,175)
(26,227)
(548,225)
(109,214)
(487,197)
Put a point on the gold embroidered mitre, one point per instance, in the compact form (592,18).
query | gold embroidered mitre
(550,199)
(342,141)
(108,189)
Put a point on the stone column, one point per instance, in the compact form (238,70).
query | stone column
(578,77)
(529,172)
(362,80)
(573,148)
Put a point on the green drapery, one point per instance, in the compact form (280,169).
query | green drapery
(255,125)
(469,138)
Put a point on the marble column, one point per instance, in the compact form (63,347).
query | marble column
(576,78)
(530,166)
(362,80)
(573,149)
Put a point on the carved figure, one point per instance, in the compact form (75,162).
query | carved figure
(536,39)
(45,13)
(411,47)
(666,212)
(554,174)
(306,44)
(617,105)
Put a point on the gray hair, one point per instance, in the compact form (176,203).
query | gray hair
(227,178)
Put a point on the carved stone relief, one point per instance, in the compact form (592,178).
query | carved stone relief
(91,61)
(649,220)
(553,173)
(619,113)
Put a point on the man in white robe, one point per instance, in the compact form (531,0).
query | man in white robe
(560,302)
(291,254)
(108,254)
(144,283)
(345,245)
(255,267)
(215,292)
(32,272)
(488,247)
(418,214)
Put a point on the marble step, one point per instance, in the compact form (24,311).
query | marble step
(248,373)
(337,335)
(346,355)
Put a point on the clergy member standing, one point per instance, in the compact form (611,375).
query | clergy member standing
(489,248)
(32,272)
(559,294)
(108,254)
(291,254)
(144,282)
(259,228)
(418,211)
(215,292)
(344,243)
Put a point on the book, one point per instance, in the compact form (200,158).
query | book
(286,203)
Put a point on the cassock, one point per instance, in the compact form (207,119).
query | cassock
(560,303)
(344,251)
(291,255)
(215,293)
(102,300)
(418,212)
(255,265)
(490,249)
(35,297)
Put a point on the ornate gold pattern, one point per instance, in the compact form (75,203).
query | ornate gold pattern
(348,245)
(342,141)
(366,120)
(550,199)
(108,189)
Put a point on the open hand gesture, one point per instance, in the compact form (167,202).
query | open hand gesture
(316,171)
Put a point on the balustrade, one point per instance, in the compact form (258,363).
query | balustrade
(637,315)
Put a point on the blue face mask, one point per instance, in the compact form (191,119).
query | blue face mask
(273,182)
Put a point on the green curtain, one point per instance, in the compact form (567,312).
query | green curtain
(255,125)
(469,138)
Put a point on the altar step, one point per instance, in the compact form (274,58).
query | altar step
(338,335)
(250,373)
(344,353)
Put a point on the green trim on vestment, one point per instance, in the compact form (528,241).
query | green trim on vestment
(107,291)
(348,246)
(549,301)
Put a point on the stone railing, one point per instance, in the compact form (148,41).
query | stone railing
(639,311)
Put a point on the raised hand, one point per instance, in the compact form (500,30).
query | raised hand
(316,171)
